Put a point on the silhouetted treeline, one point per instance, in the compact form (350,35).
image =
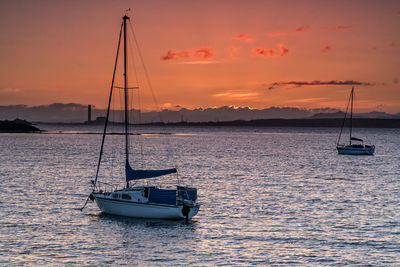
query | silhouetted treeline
(357,123)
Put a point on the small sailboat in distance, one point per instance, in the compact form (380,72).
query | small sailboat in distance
(352,148)
(141,201)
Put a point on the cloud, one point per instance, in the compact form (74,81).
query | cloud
(343,27)
(170,107)
(317,83)
(236,95)
(283,50)
(204,52)
(64,107)
(298,30)
(270,52)
(244,37)
(327,48)
(198,62)
(307,100)
(172,55)
(265,52)
(302,29)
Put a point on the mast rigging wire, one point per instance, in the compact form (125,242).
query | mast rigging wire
(344,120)
(151,89)
(108,109)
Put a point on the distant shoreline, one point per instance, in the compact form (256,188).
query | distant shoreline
(324,123)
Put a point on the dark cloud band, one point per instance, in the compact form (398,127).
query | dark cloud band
(317,83)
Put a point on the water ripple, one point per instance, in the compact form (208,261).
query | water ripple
(270,197)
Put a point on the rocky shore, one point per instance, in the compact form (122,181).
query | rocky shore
(17,126)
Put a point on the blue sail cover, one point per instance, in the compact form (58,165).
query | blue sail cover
(143,174)
(162,196)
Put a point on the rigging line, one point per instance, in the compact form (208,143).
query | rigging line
(132,116)
(132,61)
(136,70)
(131,94)
(344,120)
(132,100)
(159,112)
(151,88)
(120,111)
(116,146)
(145,71)
(113,149)
(351,114)
(108,109)
(140,128)
(139,119)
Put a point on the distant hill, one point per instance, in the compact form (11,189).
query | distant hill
(369,115)
(335,115)
(77,113)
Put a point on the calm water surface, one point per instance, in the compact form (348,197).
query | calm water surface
(269,197)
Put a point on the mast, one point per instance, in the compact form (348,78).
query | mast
(125,18)
(351,111)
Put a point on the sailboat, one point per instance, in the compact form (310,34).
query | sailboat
(149,202)
(356,147)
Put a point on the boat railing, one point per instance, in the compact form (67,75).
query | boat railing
(185,192)
(105,187)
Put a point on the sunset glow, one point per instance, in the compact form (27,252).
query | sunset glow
(205,54)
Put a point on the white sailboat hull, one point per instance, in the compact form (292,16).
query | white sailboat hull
(142,210)
(358,150)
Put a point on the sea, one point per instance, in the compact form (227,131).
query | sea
(269,196)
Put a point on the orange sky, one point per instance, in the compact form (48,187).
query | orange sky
(206,53)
